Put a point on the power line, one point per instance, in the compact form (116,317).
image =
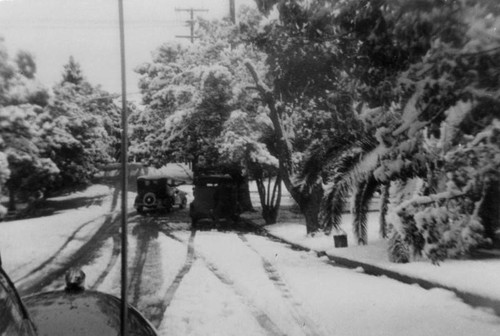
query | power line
(190,22)
(53,24)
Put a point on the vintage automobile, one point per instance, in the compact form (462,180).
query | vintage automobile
(158,193)
(73,311)
(215,201)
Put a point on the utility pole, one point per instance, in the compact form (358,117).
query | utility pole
(124,177)
(190,22)
(232,11)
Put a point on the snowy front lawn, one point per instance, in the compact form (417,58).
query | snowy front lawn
(480,277)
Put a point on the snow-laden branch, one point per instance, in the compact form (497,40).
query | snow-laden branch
(284,145)
(260,85)
(430,199)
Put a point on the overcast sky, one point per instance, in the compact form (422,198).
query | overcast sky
(54,30)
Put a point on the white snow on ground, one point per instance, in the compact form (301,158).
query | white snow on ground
(92,191)
(25,244)
(226,291)
(355,304)
(475,276)
(204,300)
(304,295)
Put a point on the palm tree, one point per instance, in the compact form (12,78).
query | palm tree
(350,171)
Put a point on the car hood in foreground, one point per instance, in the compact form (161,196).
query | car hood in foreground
(82,313)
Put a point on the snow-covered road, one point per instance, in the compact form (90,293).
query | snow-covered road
(244,284)
(229,283)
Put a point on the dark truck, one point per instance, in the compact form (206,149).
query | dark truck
(215,201)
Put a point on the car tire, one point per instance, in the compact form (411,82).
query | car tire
(149,199)
(183,203)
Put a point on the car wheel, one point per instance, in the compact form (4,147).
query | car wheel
(149,198)
(183,203)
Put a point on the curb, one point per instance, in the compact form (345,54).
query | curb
(472,299)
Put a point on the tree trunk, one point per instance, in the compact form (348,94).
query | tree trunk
(310,206)
(12,199)
(244,196)
(270,197)
(309,200)
(270,214)
(384,203)
(490,212)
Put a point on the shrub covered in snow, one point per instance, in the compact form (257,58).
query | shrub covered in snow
(448,136)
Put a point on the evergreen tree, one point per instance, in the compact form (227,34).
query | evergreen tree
(24,170)
(26,64)
(72,73)
(82,129)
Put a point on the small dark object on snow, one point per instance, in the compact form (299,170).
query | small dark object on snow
(340,240)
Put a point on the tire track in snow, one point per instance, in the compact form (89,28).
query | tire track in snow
(159,308)
(260,316)
(37,282)
(137,267)
(306,324)
(115,254)
(57,253)
(188,263)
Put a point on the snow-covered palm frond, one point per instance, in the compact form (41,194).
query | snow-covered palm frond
(398,249)
(333,206)
(384,207)
(346,172)
(364,194)
(314,163)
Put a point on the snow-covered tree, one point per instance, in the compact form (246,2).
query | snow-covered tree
(248,139)
(26,64)
(449,126)
(418,76)
(311,101)
(4,176)
(190,92)
(24,170)
(424,72)
(72,73)
(81,128)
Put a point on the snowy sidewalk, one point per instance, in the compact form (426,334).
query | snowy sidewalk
(476,282)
